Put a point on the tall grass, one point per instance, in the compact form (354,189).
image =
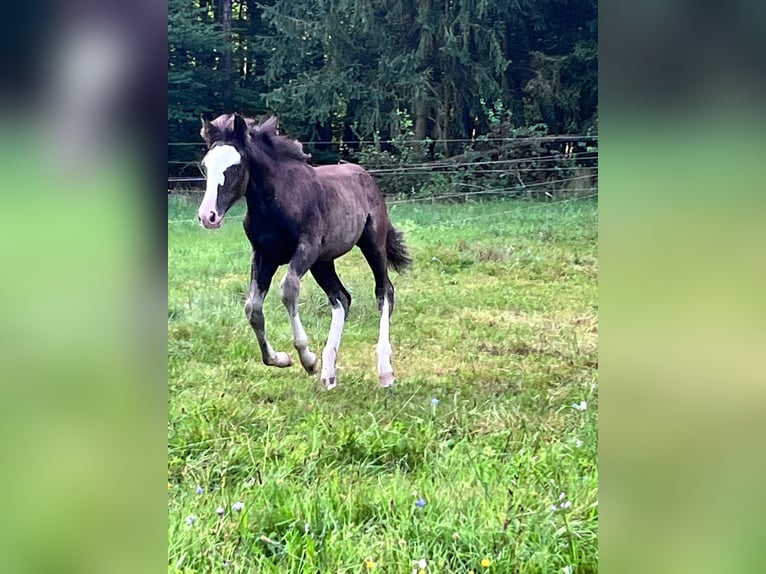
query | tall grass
(494,338)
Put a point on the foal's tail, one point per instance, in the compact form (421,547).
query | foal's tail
(396,251)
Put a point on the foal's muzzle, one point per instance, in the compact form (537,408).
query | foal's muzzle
(210,219)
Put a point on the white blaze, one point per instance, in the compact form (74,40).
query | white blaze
(216,162)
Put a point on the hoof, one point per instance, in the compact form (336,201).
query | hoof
(311,363)
(329,384)
(386,380)
(281,359)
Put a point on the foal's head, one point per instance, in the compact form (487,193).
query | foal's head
(231,140)
(225,166)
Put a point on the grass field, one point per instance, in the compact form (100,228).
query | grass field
(459,465)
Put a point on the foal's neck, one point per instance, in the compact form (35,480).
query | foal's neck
(260,191)
(263,181)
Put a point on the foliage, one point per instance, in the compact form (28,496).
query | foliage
(563,88)
(341,70)
(497,321)
(505,161)
(393,160)
(194,48)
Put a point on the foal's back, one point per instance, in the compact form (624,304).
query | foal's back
(348,180)
(346,201)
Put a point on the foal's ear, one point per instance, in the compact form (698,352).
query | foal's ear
(240,128)
(269,126)
(209,132)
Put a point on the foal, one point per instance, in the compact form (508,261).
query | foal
(304,217)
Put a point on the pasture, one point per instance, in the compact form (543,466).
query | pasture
(455,469)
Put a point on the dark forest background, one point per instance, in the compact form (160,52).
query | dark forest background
(434,71)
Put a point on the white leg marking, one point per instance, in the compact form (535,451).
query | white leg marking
(330,353)
(385,370)
(301,341)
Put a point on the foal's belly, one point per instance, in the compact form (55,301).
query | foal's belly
(339,239)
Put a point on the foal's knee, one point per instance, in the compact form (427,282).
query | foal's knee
(253,309)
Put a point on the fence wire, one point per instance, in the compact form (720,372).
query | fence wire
(441,171)
(481,139)
(591,191)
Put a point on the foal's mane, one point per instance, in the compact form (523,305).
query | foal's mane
(264,138)
(279,147)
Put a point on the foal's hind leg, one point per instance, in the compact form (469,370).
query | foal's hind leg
(261,274)
(385,296)
(373,249)
(340,301)
(291,286)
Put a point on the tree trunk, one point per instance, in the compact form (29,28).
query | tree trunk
(226,9)
(420,121)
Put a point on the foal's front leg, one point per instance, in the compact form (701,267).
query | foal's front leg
(261,274)
(291,287)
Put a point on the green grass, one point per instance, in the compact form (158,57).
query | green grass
(497,320)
